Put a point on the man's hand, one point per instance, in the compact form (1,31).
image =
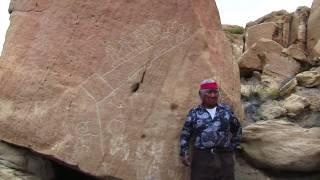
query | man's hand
(239,148)
(186,160)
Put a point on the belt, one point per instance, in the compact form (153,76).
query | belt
(214,150)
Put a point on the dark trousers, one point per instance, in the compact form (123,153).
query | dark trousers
(212,166)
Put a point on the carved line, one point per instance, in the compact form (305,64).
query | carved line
(88,93)
(125,61)
(165,52)
(165,34)
(115,89)
(100,130)
(98,119)
(107,83)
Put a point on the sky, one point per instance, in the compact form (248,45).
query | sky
(235,12)
(4,21)
(240,12)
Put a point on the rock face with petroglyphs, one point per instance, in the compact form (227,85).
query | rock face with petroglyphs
(105,85)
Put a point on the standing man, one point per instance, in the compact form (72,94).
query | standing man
(217,134)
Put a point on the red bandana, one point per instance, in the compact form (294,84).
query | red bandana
(211,85)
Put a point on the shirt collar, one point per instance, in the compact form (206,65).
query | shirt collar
(203,108)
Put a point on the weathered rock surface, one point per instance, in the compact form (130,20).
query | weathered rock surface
(19,164)
(309,78)
(280,145)
(235,37)
(271,110)
(105,85)
(276,71)
(282,19)
(312,95)
(288,86)
(298,30)
(252,58)
(296,53)
(313,35)
(263,30)
(316,49)
(275,16)
(280,67)
(295,104)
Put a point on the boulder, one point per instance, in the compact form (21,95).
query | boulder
(280,67)
(287,86)
(309,78)
(252,58)
(313,30)
(256,32)
(299,27)
(271,110)
(283,20)
(270,88)
(312,95)
(295,104)
(275,16)
(276,72)
(296,53)
(105,85)
(282,146)
(18,163)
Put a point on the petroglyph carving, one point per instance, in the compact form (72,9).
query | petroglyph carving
(154,150)
(119,146)
(129,55)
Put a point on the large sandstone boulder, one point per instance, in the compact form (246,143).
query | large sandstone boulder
(296,53)
(277,71)
(283,21)
(275,16)
(252,58)
(280,145)
(280,67)
(313,35)
(256,32)
(105,85)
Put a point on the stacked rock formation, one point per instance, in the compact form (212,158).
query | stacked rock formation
(280,80)
(105,85)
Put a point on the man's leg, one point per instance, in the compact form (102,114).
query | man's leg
(227,166)
(205,166)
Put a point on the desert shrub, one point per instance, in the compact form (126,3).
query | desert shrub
(237,30)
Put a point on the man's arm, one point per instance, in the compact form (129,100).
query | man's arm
(236,130)
(185,137)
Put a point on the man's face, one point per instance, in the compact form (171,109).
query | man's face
(209,97)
